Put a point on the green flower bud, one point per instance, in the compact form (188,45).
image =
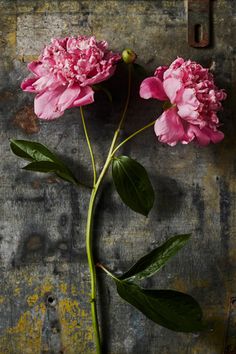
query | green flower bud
(129,56)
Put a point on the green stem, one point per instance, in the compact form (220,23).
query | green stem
(89,146)
(92,270)
(133,135)
(89,235)
(89,245)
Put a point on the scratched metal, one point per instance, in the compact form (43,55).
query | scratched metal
(42,244)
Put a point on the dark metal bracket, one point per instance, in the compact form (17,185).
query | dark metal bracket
(199,23)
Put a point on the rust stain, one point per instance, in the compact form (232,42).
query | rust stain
(180,285)
(198,23)
(6,95)
(36,184)
(27,120)
(52,180)
(34,243)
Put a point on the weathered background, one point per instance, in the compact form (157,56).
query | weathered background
(44,276)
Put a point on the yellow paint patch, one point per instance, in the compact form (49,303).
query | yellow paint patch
(76,331)
(45,288)
(25,336)
(17,291)
(27,58)
(31,300)
(74,290)
(11,39)
(63,288)
(2,299)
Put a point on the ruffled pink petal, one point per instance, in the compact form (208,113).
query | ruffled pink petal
(68,97)
(201,136)
(159,72)
(216,136)
(101,76)
(172,87)
(169,128)
(152,87)
(46,82)
(46,103)
(85,97)
(186,112)
(188,105)
(187,97)
(36,67)
(27,84)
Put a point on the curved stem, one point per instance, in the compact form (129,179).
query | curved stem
(89,245)
(89,146)
(132,136)
(92,270)
(89,227)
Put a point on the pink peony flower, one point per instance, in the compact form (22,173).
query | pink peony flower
(65,72)
(192,100)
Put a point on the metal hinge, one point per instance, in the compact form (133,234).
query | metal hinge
(199,23)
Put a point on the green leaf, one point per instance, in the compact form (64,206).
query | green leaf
(156,259)
(132,184)
(42,166)
(42,159)
(51,167)
(171,309)
(32,151)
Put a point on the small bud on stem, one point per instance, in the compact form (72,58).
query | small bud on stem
(129,56)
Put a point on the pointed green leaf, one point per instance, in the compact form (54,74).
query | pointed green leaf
(132,184)
(171,309)
(32,151)
(51,167)
(43,160)
(156,259)
(42,166)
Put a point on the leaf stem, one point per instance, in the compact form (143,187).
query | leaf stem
(99,265)
(89,146)
(133,135)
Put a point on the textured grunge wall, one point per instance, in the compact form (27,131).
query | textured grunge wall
(44,277)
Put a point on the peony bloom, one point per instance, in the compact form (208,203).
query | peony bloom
(192,102)
(65,72)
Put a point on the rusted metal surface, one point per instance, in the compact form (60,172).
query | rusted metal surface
(199,23)
(42,219)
